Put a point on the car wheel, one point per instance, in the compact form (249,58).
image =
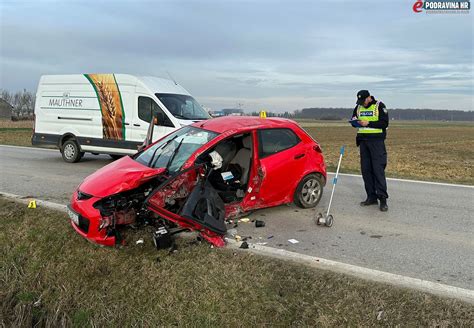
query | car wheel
(309,191)
(71,151)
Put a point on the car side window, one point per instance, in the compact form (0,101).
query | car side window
(272,141)
(147,106)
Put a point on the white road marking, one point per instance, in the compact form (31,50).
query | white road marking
(353,270)
(443,290)
(413,181)
(29,148)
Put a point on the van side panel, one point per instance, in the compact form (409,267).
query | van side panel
(91,108)
(68,106)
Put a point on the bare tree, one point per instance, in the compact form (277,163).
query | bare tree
(6,95)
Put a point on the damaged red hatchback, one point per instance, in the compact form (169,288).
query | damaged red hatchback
(198,177)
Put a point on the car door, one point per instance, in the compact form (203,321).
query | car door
(281,159)
(189,200)
(146,109)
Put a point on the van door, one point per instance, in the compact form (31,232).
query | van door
(146,109)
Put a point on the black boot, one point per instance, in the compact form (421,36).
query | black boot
(368,202)
(383,205)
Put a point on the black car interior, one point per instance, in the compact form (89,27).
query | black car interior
(231,179)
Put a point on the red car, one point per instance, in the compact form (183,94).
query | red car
(198,177)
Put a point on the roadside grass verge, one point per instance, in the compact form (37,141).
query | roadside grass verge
(15,133)
(50,276)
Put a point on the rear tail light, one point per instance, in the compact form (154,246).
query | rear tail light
(318,149)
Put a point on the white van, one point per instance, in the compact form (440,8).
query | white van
(108,113)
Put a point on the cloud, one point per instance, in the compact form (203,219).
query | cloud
(270,53)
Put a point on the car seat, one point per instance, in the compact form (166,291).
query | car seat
(227,149)
(242,158)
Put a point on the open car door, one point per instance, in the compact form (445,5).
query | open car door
(190,201)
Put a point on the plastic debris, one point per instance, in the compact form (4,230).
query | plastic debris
(244,220)
(270,237)
(244,245)
(237,237)
(139,241)
(232,232)
(293,241)
(259,223)
(380,315)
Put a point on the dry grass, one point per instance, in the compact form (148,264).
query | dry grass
(416,150)
(8,124)
(50,276)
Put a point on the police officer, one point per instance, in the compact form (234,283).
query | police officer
(372,119)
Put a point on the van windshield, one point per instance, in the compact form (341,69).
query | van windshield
(183,106)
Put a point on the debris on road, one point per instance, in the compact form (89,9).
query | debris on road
(245,220)
(244,245)
(259,223)
(270,237)
(293,241)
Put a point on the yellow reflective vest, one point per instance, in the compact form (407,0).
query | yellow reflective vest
(370,114)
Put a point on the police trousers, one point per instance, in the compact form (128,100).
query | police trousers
(373,160)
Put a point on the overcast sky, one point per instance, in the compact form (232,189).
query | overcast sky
(262,54)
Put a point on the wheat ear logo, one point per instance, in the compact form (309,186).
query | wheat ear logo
(111,107)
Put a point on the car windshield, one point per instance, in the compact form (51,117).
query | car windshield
(183,107)
(172,151)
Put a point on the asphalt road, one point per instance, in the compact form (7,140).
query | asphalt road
(428,232)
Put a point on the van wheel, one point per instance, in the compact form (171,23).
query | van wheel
(115,157)
(71,151)
(309,191)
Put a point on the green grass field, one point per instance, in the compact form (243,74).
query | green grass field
(50,276)
(433,151)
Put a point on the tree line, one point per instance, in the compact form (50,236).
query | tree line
(394,114)
(23,103)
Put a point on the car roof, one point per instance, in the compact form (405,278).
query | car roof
(242,123)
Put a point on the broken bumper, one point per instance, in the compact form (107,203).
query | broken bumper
(85,219)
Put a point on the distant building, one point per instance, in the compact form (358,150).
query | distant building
(216,113)
(232,111)
(5,109)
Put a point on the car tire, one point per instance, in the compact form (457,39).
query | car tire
(115,157)
(309,191)
(71,152)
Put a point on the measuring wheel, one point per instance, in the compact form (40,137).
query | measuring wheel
(318,218)
(329,221)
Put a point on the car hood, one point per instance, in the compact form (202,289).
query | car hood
(121,175)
